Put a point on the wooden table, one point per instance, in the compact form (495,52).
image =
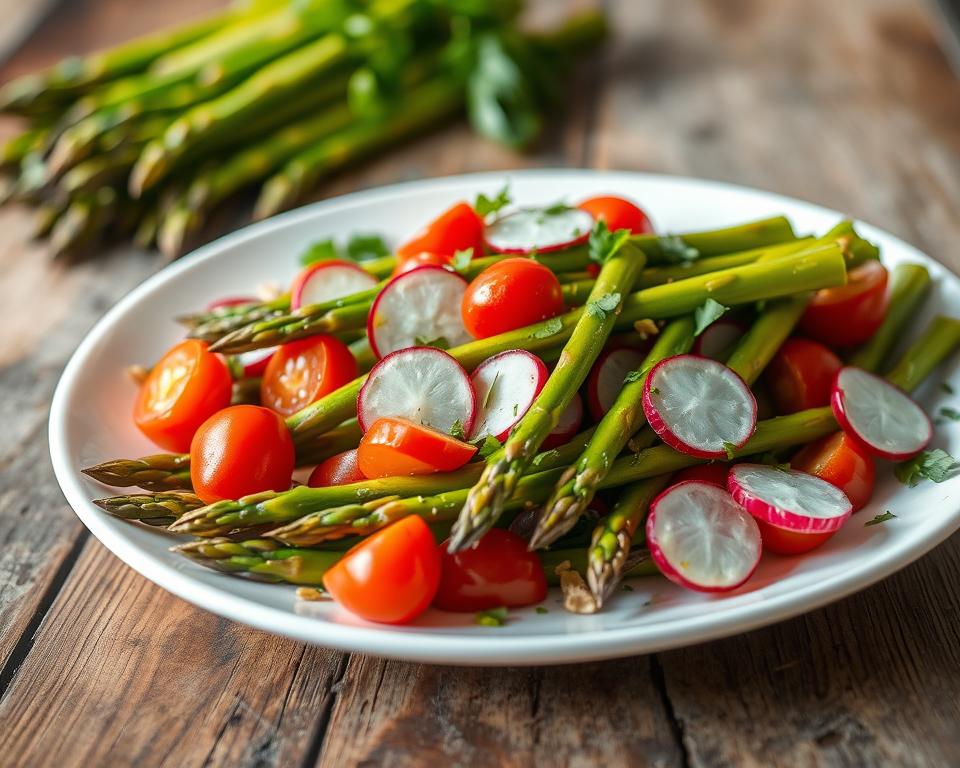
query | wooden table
(849,103)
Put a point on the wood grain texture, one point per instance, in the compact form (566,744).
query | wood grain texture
(850,104)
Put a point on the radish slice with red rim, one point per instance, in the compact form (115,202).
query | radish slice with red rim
(538,229)
(567,425)
(419,307)
(699,406)
(700,538)
(328,280)
(422,384)
(789,499)
(885,420)
(506,386)
(606,378)
(719,339)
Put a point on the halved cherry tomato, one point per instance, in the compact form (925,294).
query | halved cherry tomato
(618,213)
(341,469)
(424,258)
(456,229)
(302,372)
(510,294)
(499,570)
(241,450)
(392,447)
(784,541)
(801,374)
(849,314)
(714,473)
(390,577)
(840,461)
(185,388)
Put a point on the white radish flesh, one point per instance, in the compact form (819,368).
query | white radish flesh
(419,307)
(718,340)
(506,386)
(701,538)
(789,499)
(422,384)
(328,280)
(606,378)
(886,421)
(538,229)
(699,406)
(567,425)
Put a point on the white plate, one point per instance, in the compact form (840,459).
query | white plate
(90,422)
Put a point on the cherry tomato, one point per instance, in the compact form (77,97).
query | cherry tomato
(392,447)
(499,570)
(784,541)
(456,229)
(187,386)
(840,461)
(425,258)
(714,473)
(302,372)
(510,294)
(618,213)
(849,314)
(390,577)
(241,450)
(341,469)
(801,374)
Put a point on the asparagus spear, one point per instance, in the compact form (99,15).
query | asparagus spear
(577,486)
(98,171)
(160,509)
(505,467)
(13,151)
(819,267)
(82,222)
(937,342)
(672,249)
(160,472)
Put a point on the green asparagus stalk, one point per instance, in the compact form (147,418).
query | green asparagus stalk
(46,216)
(576,489)
(820,267)
(908,287)
(98,171)
(83,222)
(765,336)
(669,249)
(161,472)
(159,509)
(937,342)
(505,467)
(16,149)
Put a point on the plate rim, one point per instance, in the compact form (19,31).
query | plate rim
(423,647)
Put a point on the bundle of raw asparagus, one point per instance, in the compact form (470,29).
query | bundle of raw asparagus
(149,138)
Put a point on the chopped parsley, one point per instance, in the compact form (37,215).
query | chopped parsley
(935,465)
(706,314)
(888,515)
(495,617)
(484,206)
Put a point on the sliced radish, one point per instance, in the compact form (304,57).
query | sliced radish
(886,421)
(606,378)
(700,538)
(699,406)
(719,339)
(419,307)
(538,229)
(328,280)
(567,426)
(796,511)
(422,384)
(506,386)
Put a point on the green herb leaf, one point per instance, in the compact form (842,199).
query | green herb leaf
(484,205)
(322,250)
(632,377)
(947,387)
(599,308)
(486,397)
(556,209)
(730,449)
(706,314)
(888,515)
(950,413)
(675,251)
(516,407)
(541,610)
(461,260)
(541,457)
(487,447)
(550,328)
(603,243)
(366,247)
(495,617)
(654,390)
(438,343)
(457,430)
(935,465)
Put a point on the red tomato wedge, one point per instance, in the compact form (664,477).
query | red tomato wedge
(848,314)
(304,371)
(341,469)
(241,450)
(499,570)
(185,388)
(618,213)
(390,577)
(801,374)
(510,294)
(840,460)
(392,447)
(457,229)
